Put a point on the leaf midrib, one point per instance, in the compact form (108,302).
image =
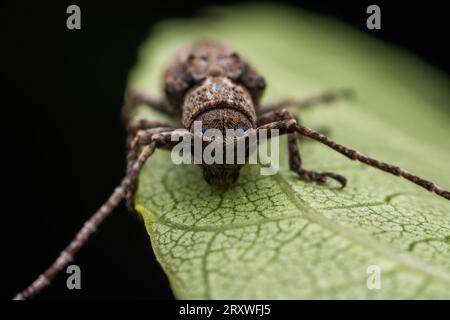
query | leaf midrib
(401,258)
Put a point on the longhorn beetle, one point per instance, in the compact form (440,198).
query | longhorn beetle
(210,82)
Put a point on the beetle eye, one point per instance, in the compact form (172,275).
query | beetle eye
(241,125)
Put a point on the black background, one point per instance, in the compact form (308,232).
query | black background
(63,142)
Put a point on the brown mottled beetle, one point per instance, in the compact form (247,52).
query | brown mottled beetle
(212,83)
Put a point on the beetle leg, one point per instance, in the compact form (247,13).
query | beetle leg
(324,97)
(143,123)
(283,114)
(161,136)
(136,98)
(139,124)
(295,162)
(275,115)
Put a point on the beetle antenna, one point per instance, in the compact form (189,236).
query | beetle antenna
(357,156)
(89,227)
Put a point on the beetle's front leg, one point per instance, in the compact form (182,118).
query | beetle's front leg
(282,114)
(162,137)
(139,124)
(142,137)
(295,164)
(278,118)
(275,115)
(322,98)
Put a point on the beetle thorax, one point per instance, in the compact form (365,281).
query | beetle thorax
(220,104)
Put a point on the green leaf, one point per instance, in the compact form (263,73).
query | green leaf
(277,236)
